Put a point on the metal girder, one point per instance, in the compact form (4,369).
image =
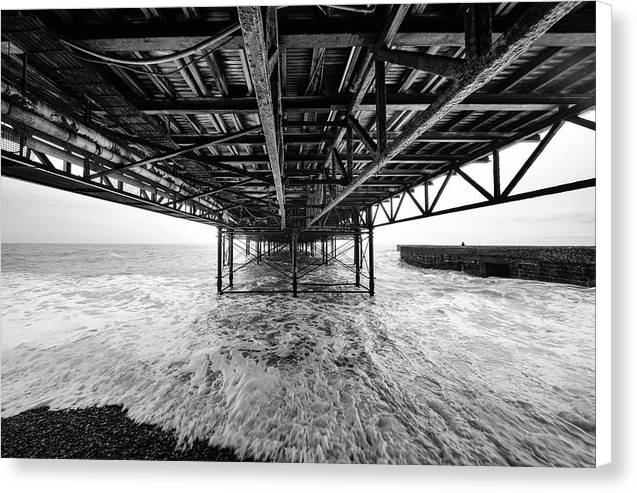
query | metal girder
(434,64)
(477,30)
(318,137)
(362,134)
(416,31)
(17,167)
(582,122)
(341,102)
(268,100)
(491,199)
(174,154)
(211,192)
(566,187)
(309,157)
(391,26)
(530,26)
(532,158)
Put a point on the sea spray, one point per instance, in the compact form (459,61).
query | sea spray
(438,368)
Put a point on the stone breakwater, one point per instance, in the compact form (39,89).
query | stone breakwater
(568,265)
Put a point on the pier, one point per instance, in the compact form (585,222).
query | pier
(294,130)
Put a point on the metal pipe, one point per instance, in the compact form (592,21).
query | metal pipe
(53,116)
(209,44)
(42,117)
(48,127)
(70,158)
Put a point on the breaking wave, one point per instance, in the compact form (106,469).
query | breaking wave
(438,368)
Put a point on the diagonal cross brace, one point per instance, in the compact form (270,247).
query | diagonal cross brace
(538,19)
(180,152)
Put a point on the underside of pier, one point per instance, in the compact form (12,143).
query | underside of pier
(295,130)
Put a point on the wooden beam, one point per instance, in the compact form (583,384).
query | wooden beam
(253,28)
(537,19)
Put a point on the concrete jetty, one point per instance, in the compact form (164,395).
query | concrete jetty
(561,264)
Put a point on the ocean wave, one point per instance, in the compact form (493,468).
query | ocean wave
(438,368)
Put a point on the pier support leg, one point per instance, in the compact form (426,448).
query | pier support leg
(293,252)
(357,246)
(370,248)
(231,258)
(219,260)
(324,250)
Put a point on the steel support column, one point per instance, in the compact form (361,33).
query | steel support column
(370,248)
(231,258)
(294,273)
(357,246)
(219,260)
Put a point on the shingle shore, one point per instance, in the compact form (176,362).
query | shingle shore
(96,433)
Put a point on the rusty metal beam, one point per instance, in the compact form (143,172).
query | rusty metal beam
(362,134)
(174,154)
(211,192)
(254,30)
(532,158)
(434,64)
(542,192)
(341,102)
(530,26)
(416,31)
(396,17)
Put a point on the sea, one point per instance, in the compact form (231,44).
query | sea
(438,368)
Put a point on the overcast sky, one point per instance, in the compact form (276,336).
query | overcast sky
(32,213)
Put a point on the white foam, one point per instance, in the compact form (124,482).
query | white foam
(438,368)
